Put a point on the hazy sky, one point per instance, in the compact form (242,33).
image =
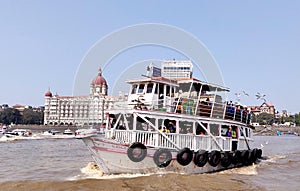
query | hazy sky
(255,43)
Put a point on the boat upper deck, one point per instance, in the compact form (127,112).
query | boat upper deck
(188,96)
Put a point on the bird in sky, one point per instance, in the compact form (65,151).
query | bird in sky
(245,93)
(260,96)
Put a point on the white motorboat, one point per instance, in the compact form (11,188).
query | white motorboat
(183,126)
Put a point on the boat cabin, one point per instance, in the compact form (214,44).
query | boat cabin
(156,93)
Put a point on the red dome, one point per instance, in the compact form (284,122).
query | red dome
(48,94)
(99,80)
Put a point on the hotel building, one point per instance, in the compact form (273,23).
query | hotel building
(77,110)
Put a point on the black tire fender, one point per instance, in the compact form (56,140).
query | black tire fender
(237,157)
(214,158)
(259,154)
(162,157)
(201,158)
(246,157)
(226,159)
(136,152)
(184,156)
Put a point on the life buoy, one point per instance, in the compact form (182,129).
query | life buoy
(246,157)
(137,152)
(201,158)
(214,158)
(162,157)
(184,156)
(226,159)
(236,159)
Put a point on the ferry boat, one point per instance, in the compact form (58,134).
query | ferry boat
(165,125)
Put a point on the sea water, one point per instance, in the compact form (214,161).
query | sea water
(66,164)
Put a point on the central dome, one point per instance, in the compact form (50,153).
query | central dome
(99,80)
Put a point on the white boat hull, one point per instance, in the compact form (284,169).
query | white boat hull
(112,158)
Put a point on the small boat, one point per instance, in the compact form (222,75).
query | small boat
(18,132)
(68,132)
(50,132)
(165,125)
(81,133)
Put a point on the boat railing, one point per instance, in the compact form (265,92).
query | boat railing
(156,139)
(220,110)
(190,106)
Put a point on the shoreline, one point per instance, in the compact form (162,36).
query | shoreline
(269,130)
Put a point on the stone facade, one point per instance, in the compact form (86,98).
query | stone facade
(77,110)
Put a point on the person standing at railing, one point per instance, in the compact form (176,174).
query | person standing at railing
(229,133)
(233,133)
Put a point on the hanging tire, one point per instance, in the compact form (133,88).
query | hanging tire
(259,153)
(137,152)
(236,159)
(246,157)
(226,159)
(184,156)
(201,158)
(254,155)
(214,158)
(162,157)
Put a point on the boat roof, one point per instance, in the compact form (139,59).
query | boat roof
(154,79)
(212,87)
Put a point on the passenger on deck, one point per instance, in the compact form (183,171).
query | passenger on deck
(233,133)
(229,133)
(165,130)
(171,127)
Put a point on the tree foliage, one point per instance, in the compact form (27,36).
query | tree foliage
(263,119)
(9,116)
(13,116)
(32,117)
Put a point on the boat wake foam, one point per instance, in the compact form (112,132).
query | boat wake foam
(245,170)
(92,171)
(274,159)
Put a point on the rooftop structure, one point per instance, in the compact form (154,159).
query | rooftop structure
(175,69)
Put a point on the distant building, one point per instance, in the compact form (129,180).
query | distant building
(175,69)
(264,108)
(21,108)
(77,110)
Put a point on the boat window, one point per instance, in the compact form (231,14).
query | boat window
(224,129)
(156,89)
(143,125)
(185,127)
(141,88)
(161,91)
(234,130)
(129,121)
(214,129)
(173,91)
(247,132)
(168,90)
(200,130)
(133,89)
(242,131)
(170,125)
(149,88)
